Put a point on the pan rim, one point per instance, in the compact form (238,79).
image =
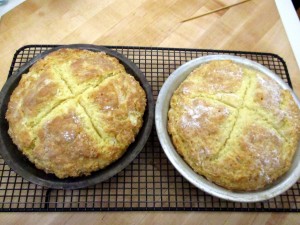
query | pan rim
(162,105)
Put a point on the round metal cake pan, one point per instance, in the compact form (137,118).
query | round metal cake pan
(23,167)
(161,119)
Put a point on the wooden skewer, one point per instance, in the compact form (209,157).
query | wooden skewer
(216,10)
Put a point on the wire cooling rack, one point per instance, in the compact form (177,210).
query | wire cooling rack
(150,182)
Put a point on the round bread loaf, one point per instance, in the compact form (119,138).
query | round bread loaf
(75,112)
(234,125)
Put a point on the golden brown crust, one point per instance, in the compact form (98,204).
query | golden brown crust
(221,80)
(200,117)
(65,145)
(75,112)
(241,143)
(120,101)
(79,69)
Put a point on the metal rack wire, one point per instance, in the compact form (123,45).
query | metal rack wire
(150,182)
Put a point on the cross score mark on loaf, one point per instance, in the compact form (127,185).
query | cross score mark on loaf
(75,112)
(234,125)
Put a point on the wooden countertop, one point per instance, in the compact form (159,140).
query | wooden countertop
(252,26)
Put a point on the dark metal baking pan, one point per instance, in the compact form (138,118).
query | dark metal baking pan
(22,166)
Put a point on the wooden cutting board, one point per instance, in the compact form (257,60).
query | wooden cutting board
(252,26)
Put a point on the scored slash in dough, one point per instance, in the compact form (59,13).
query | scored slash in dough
(234,125)
(75,112)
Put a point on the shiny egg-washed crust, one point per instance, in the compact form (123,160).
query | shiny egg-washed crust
(234,125)
(75,112)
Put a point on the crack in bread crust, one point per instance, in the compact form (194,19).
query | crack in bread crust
(59,72)
(91,121)
(65,100)
(48,112)
(266,120)
(72,97)
(218,101)
(210,97)
(237,117)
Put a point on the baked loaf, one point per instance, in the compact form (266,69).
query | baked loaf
(75,112)
(234,125)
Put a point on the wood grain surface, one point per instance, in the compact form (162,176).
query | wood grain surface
(252,26)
